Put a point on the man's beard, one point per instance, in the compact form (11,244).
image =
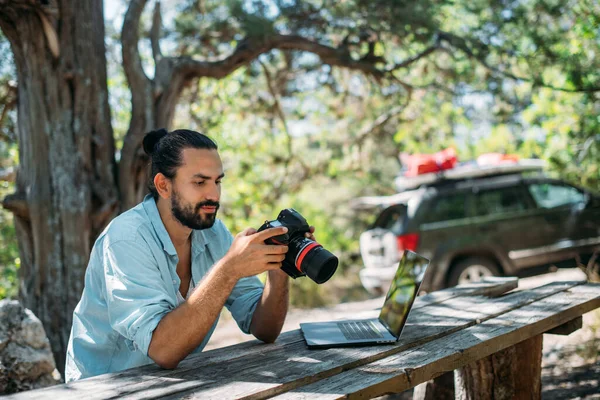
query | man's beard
(190,216)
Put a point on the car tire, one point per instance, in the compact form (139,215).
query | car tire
(472,270)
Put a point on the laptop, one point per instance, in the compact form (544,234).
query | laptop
(392,318)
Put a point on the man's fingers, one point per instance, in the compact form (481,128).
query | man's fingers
(276,249)
(310,232)
(276,258)
(247,232)
(268,233)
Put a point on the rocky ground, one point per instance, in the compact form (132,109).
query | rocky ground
(571,364)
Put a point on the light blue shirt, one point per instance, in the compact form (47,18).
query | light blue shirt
(131,283)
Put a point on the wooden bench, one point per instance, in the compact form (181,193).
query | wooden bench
(487,333)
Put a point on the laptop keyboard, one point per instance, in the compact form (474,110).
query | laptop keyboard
(354,330)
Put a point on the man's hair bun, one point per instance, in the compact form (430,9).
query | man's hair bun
(152,138)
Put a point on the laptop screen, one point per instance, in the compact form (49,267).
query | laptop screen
(403,291)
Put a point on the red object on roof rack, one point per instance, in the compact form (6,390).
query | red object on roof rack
(418,164)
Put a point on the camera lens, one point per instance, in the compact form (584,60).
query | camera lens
(312,259)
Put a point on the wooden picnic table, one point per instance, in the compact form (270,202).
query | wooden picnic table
(487,333)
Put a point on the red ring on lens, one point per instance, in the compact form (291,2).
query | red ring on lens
(303,254)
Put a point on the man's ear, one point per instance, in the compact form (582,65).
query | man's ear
(162,185)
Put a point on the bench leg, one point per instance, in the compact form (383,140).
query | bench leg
(512,373)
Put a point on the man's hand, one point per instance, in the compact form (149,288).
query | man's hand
(310,235)
(271,310)
(249,255)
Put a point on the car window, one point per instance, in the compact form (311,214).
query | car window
(498,201)
(391,218)
(551,195)
(447,207)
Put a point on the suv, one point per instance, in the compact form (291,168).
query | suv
(472,228)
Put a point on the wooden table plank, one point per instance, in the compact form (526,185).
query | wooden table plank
(106,384)
(491,286)
(419,364)
(296,365)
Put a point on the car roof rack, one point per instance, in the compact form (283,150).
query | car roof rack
(370,202)
(469,170)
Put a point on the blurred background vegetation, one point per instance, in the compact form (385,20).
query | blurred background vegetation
(481,76)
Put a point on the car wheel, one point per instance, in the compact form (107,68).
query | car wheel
(472,269)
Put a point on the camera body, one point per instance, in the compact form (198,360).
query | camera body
(304,256)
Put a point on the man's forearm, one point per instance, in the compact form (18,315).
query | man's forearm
(271,310)
(183,329)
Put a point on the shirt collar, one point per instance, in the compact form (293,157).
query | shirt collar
(152,211)
(200,238)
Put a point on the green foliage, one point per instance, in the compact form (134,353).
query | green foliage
(517,77)
(9,251)
(573,148)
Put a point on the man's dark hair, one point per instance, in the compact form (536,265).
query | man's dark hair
(165,148)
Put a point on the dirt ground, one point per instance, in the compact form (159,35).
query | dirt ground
(571,364)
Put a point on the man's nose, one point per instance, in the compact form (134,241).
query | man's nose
(214,193)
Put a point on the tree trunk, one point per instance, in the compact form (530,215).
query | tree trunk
(511,373)
(66,188)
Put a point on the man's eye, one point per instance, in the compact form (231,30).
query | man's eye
(200,183)
(218,182)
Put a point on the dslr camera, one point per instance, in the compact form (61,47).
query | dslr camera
(305,257)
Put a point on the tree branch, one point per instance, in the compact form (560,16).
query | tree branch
(132,163)
(103,216)
(279,112)
(378,123)
(17,204)
(250,48)
(132,62)
(155,33)
(276,103)
(462,44)
(416,58)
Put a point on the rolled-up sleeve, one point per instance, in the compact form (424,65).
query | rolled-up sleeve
(243,301)
(135,293)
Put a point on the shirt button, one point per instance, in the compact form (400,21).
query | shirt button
(174,281)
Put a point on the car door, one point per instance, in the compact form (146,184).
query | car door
(444,224)
(503,218)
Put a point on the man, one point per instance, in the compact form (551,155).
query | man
(160,273)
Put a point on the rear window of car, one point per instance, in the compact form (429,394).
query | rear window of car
(499,201)
(552,195)
(391,218)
